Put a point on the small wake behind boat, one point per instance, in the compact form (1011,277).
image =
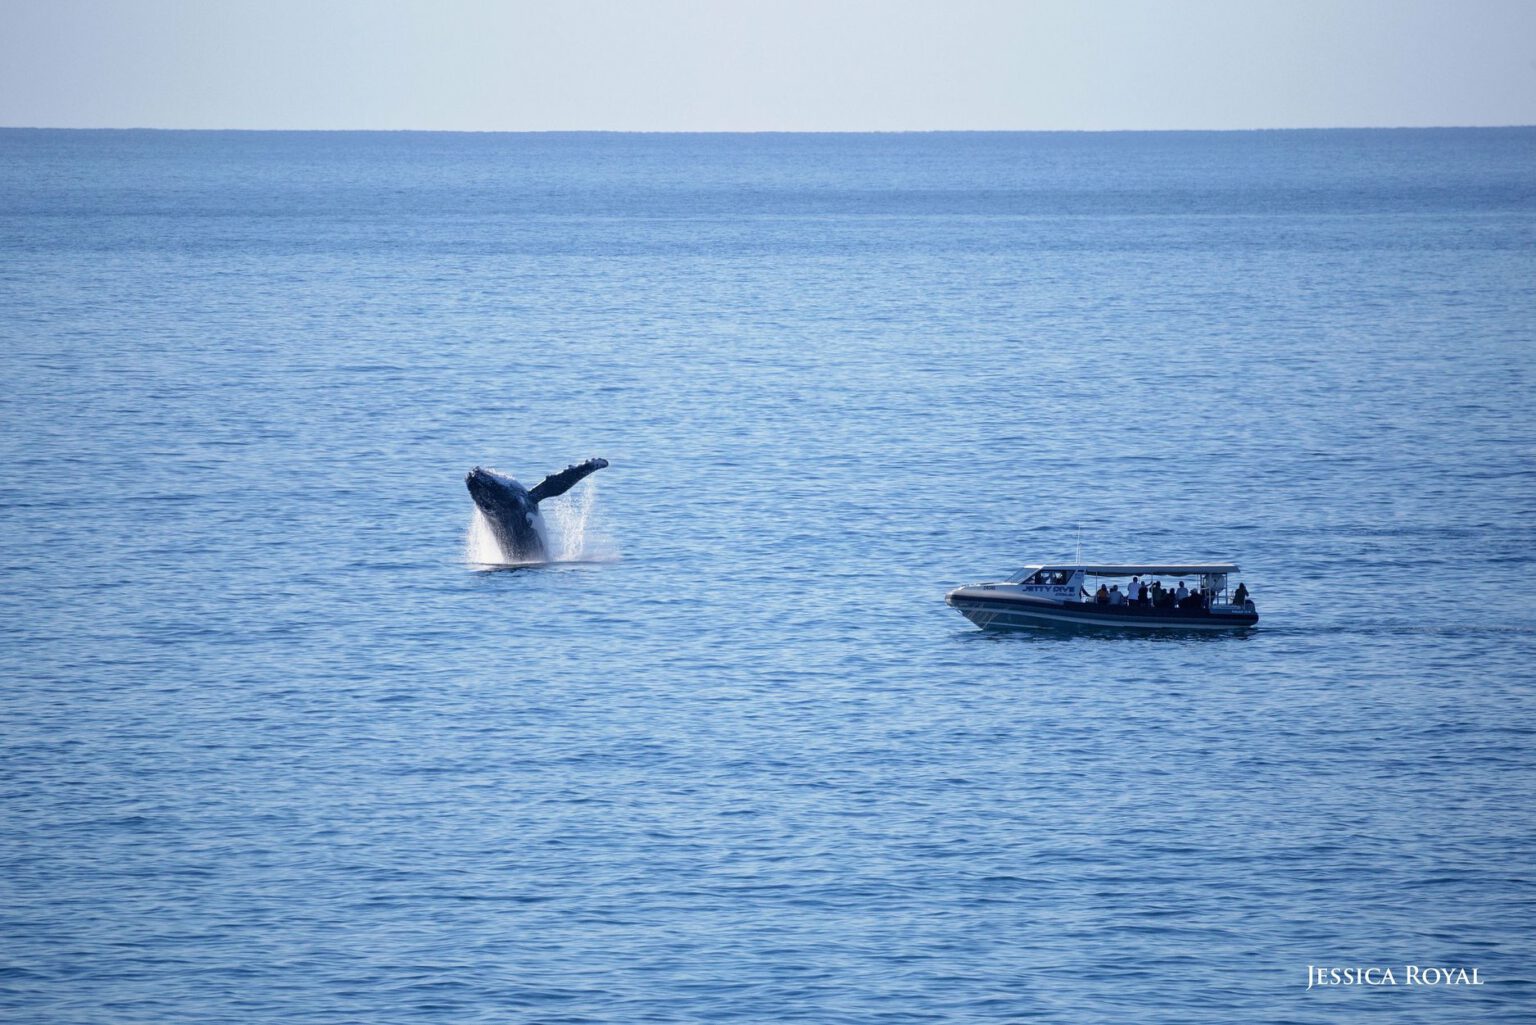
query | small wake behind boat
(1078,594)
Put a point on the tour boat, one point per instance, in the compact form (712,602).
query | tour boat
(1081,594)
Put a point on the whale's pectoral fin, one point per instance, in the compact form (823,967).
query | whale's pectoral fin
(565,480)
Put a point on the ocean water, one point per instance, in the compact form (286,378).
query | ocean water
(275,748)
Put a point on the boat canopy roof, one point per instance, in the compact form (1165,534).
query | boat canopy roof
(1136,569)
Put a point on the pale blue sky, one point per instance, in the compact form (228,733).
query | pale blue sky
(807,65)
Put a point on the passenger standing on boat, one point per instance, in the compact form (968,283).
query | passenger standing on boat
(1133,591)
(1155,599)
(1240,596)
(1181,594)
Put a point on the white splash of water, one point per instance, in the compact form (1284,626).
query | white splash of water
(571,531)
(566,524)
(480,546)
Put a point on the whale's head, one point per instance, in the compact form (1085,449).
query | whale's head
(494,492)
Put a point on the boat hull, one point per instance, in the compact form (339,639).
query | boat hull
(992,610)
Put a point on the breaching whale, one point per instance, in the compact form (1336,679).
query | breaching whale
(513,510)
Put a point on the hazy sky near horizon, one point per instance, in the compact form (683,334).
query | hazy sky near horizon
(745,65)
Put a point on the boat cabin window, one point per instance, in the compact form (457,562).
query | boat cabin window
(1049,576)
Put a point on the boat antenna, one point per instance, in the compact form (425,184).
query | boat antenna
(1079,544)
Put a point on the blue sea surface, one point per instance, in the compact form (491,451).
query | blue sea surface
(273,750)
